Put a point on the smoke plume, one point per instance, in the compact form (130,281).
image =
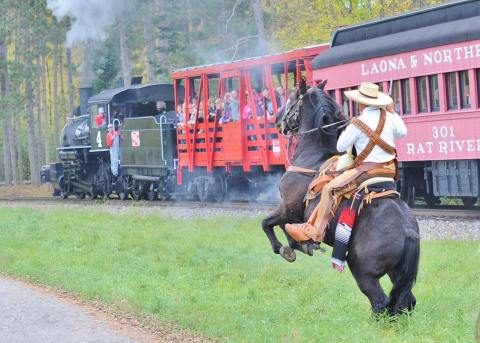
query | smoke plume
(90,18)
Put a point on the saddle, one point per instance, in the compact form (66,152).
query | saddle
(374,185)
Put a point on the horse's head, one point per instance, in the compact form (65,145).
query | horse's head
(310,110)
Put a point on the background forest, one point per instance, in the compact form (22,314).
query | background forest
(49,48)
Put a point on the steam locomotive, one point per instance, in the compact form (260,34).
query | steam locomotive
(148,160)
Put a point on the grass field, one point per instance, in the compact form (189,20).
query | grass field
(219,277)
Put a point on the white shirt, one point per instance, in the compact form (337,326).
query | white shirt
(394,128)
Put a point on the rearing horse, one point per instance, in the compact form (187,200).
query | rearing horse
(385,239)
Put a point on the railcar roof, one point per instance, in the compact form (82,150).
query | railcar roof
(136,94)
(250,62)
(440,25)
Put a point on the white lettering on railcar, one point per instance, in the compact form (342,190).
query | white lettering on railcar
(428,58)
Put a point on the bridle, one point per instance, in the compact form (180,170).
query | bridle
(290,124)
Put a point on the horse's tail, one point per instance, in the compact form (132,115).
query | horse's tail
(401,296)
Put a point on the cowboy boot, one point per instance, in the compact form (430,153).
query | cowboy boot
(301,232)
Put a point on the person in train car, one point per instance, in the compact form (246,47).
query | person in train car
(247,111)
(211,110)
(280,95)
(180,116)
(114,140)
(371,161)
(218,109)
(161,107)
(258,100)
(227,111)
(234,106)
(268,102)
(100,118)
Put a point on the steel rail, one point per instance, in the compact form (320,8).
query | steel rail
(438,211)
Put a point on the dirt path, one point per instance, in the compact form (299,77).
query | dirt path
(32,314)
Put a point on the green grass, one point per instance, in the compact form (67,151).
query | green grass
(219,277)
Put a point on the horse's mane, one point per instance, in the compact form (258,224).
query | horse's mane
(324,106)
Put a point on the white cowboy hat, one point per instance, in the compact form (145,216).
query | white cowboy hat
(368,94)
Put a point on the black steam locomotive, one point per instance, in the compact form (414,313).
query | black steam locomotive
(145,117)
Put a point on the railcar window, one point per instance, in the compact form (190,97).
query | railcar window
(355,109)
(406,100)
(452,100)
(434,93)
(396,95)
(464,89)
(422,94)
(345,104)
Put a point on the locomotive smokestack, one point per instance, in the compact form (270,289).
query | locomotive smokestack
(85,93)
(86,76)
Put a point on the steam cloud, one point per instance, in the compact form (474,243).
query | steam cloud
(90,18)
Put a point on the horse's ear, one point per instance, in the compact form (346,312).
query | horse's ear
(302,86)
(322,85)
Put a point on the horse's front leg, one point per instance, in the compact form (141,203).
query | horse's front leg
(268,224)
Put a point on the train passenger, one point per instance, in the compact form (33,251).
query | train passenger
(100,118)
(281,96)
(268,102)
(114,139)
(234,106)
(218,109)
(257,98)
(180,115)
(227,111)
(247,111)
(193,113)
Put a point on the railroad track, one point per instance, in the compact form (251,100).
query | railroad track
(438,211)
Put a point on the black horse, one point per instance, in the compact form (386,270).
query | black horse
(385,239)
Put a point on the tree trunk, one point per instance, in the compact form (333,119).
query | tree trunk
(56,133)
(16,149)
(62,89)
(46,113)
(69,80)
(258,15)
(13,152)
(38,102)
(150,46)
(7,167)
(32,150)
(124,51)
(18,135)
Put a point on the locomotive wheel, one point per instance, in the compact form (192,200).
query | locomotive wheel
(151,195)
(137,192)
(94,195)
(469,201)
(64,195)
(122,189)
(408,195)
(80,195)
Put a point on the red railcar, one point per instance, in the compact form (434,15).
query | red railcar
(429,61)
(213,155)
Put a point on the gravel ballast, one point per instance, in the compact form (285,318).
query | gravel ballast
(431,228)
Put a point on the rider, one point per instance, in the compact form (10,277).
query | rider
(376,154)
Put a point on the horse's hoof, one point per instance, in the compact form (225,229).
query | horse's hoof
(307,248)
(288,254)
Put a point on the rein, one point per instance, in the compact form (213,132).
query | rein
(293,111)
